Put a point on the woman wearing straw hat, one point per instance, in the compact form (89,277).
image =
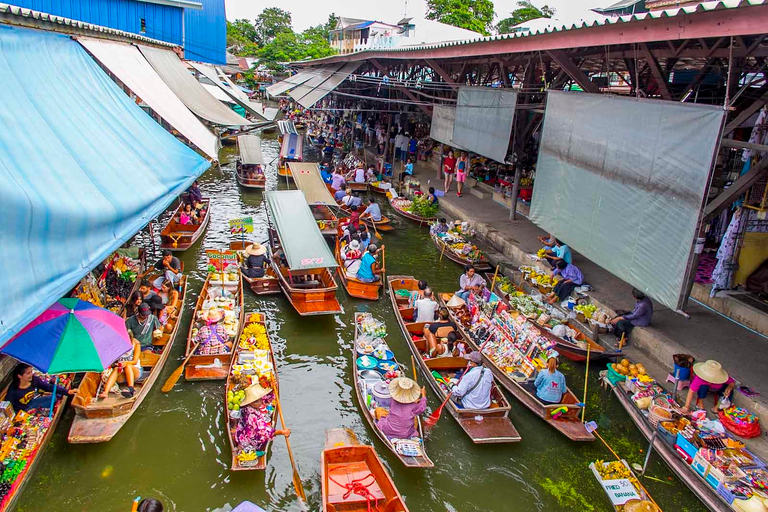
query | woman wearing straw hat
(213,337)
(407,403)
(255,261)
(709,376)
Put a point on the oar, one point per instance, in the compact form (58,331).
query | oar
(493,283)
(418,420)
(174,378)
(376,231)
(296,479)
(431,421)
(443,251)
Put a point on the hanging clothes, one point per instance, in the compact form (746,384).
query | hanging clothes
(721,276)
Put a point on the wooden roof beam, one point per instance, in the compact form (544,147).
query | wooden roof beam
(573,71)
(746,113)
(661,80)
(405,91)
(440,71)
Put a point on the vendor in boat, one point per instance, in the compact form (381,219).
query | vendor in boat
(560,251)
(350,257)
(571,277)
(133,303)
(431,196)
(126,369)
(254,428)
(474,388)
(640,316)
(469,281)
(194,195)
(441,328)
(709,377)
(337,183)
(550,383)
(256,261)
(439,228)
(213,337)
(407,403)
(142,325)
(418,293)
(370,270)
(426,307)
(25,391)
(372,210)
(170,266)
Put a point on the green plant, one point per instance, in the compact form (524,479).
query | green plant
(423,208)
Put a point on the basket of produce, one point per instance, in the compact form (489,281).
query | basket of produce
(622,486)
(614,373)
(659,410)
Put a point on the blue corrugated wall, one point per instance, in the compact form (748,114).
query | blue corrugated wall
(162,22)
(205,33)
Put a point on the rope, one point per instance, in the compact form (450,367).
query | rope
(357,487)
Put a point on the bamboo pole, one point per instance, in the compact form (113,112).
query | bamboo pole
(586,381)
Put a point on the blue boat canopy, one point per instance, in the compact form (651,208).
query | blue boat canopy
(82,169)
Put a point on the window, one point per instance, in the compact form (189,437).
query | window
(143,26)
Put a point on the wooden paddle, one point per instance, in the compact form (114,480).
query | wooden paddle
(375,231)
(442,252)
(418,420)
(174,378)
(431,421)
(493,283)
(296,478)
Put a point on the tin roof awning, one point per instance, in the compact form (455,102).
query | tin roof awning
(326,87)
(307,178)
(320,76)
(228,88)
(286,126)
(290,82)
(250,150)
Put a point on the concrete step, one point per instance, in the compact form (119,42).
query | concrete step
(480,192)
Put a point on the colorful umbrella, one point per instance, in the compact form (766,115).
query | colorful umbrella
(71,336)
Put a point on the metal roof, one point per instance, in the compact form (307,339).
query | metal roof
(29,14)
(702,7)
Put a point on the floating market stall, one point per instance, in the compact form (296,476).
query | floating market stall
(622,486)
(250,167)
(418,210)
(456,247)
(308,180)
(110,284)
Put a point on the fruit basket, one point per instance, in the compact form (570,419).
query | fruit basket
(620,484)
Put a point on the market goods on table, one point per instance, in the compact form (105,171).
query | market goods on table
(418,210)
(622,486)
(455,246)
(111,283)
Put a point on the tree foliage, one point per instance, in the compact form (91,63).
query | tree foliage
(475,15)
(525,11)
(241,38)
(271,22)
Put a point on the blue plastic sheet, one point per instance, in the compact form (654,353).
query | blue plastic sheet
(82,169)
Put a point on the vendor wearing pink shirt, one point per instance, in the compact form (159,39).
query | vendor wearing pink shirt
(709,376)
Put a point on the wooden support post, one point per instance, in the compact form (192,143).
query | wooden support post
(578,76)
(515,192)
(661,80)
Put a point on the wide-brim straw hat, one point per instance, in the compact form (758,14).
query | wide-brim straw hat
(710,371)
(255,250)
(404,390)
(640,506)
(455,302)
(214,315)
(457,222)
(254,392)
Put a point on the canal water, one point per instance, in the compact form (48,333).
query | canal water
(175,447)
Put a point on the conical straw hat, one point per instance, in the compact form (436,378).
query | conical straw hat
(710,371)
(455,302)
(404,390)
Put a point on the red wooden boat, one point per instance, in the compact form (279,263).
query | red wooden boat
(180,237)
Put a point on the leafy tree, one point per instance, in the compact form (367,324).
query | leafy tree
(271,22)
(525,11)
(475,15)
(241,38)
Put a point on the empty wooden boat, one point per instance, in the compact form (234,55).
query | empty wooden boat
(250,167)
(355,287)
(180,237)
(494,425)
(344,463)
(97,420)
(267,285)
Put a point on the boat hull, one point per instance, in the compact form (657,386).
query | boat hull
(480,265)
(178,237)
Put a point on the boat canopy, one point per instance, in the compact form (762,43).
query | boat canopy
(302,242)
(250,150)
(189,90)
(286,126)
(292,147)
(326,87)
(82,169)
(127,63)
(307,178)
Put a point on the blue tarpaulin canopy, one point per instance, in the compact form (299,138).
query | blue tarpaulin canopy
(82,169)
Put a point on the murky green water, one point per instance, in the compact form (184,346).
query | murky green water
(175,447)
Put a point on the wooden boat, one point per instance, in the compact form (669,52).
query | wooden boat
(180,237)
(291,150)
(377,190)
(423,221)
(97,420)
(251,159)
(385,224)
(361,391)
(356,288)
(357,187)
(445,249)
(567,424)
(568,349)
(88,288)
(259,462)
(698,486)
(260,182)
(267,285)
(494,425)
(345,461)
(191,372)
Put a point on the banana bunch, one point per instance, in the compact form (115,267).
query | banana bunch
(541,253)
(246,456)
(254,337)
(586,309)
(616,470)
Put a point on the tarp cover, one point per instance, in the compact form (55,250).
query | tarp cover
(319,76)
(292,146)
(127,63)
(258,108)
(82,169)
(286,126)
(217,93)
(232,91)
(300,237)
(483,122)
(289,83)
(329,85)
(250,149)
(188,89)
(443,118)
(623,180)
(308,180)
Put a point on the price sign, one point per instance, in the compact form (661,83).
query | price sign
(620,491)
(221,259)
(243,225)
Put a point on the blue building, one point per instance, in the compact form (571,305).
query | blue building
(198,25)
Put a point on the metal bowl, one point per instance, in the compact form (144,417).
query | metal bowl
(370,375)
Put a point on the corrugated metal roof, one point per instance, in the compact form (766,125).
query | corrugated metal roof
(630,18)
(22,12)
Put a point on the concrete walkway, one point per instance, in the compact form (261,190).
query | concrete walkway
(706,335)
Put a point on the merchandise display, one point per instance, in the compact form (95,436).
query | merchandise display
(110,283)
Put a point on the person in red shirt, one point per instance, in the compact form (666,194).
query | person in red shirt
(449,166)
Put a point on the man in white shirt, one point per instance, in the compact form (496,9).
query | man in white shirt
(474,389)
(404,140)
(372,210)
(360,175)
(425,308)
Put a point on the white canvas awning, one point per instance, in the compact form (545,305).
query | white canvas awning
(170,68)
(289,83)
(319,76)
(218,93)
(329,85)
(250,149)
(228,88)
(127,63)
(268,113)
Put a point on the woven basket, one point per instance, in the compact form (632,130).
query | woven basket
(655,415)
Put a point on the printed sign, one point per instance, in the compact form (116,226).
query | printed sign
(221,259)
(620,491)
(243,225)
(310,261)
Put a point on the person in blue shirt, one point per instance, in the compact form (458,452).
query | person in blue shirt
(412,144)
(550,383)
(369,271)
(560,251)
(373,210)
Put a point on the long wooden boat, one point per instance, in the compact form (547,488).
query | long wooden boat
(345,461)
(385,224)
(494,425)
(422,221)
(180,237)
(237,349)
(709,496)
(208,372)
(362,391)
(567,424)
(568,349)
(327,221)
(355,287)
(260,182)
(97,420)
(310,292)
(376,189)
(267,285)
(357,187)
(480,264)
(291,150)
